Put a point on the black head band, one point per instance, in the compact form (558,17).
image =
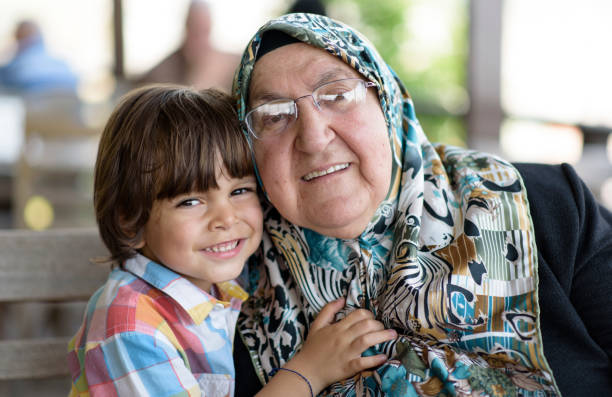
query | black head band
(273,39)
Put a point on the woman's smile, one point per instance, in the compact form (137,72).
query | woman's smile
(325,171)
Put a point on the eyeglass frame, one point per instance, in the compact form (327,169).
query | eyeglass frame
(367,84)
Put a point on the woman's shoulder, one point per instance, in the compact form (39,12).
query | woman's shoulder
(557,203)
(574,243)
(542,180)
(562,207)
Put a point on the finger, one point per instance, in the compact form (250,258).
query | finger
(365,326)
(327,314)
(348,323)
(358,315)
(363,363)
(367,340)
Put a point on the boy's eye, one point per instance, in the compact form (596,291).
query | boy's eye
(242,190)
(190,202)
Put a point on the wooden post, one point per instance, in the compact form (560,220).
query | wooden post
(119,71)
(484,75)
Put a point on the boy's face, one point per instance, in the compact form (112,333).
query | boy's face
(206,236)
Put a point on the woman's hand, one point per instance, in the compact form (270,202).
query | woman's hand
(332,351)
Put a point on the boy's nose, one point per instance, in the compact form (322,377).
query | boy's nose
(224,217)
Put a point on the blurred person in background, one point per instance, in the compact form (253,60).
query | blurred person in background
(309,6)
(196,62)
(32,69)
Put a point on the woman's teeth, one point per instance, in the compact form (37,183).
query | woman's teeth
(316,174)
(223,247)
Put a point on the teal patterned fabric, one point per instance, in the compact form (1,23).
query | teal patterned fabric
(449,259)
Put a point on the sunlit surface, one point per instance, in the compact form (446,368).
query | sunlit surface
(38,213)
(606,188)
(609,148)
(606,193)
(538,142)
(12,118)
(556,60)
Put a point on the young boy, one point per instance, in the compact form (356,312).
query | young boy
(177,206)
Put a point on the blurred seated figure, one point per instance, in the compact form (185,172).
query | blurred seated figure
(309,6)
(196,62)
(32,69)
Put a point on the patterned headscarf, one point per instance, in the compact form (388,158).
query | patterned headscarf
(449,259)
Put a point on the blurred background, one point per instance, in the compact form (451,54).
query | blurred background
(527,80)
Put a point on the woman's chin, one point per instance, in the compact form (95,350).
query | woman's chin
(338,223)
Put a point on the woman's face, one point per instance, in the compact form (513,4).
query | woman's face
(328,173)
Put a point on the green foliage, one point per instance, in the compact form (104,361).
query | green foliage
(426,43)
(445,129)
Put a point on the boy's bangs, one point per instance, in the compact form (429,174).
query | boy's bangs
(188,158)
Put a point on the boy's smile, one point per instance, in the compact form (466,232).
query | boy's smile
(223,247)
(206,236)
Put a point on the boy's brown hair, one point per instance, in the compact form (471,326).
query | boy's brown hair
(161,141)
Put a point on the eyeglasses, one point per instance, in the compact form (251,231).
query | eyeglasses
(336,97)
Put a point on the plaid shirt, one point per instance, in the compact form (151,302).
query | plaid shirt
(150,332)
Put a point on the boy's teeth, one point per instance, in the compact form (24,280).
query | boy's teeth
(224,247)
(316,174)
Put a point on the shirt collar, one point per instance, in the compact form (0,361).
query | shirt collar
(196,302)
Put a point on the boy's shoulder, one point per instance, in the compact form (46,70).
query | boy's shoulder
(123,288)
(127,303)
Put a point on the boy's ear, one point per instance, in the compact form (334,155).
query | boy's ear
(141,242)
(138,236)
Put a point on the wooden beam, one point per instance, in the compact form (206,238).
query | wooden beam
(51,265)
(33,359)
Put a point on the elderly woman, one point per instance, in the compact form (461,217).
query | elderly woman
(497,279)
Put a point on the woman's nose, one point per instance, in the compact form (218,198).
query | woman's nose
(313,131)
(223,218)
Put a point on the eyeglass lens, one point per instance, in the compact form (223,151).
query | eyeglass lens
(336,97)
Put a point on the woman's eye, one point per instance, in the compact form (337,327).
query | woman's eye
(191,202)
(338,96)
(274,119)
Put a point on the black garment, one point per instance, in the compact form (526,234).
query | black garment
(574,240)
(247,382)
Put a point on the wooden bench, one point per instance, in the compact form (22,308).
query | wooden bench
(47,266)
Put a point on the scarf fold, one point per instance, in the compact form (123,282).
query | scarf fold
(449,259)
